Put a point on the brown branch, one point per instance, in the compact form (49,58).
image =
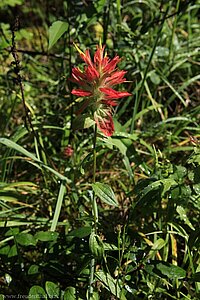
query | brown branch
(34,53)
(19,80)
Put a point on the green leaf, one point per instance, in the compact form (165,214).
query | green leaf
(171,271)
(33,269)
(26,239)
(105,193)
(20,149)
(13,251)
(163,269)
(110,247)
(37,292)
(161,51)
(183,216)
(154,77)
(56,30)
(12,232)
(81,232)
(82,122)
(70,293)
(167,184)
(46,236)
(159,244)
(96,245)
(109,282)
(11,2)
(99,4)
(5,250)
(52,289)
(195,156)
(2,297)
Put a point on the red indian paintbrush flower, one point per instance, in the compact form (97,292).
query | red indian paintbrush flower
(96,82)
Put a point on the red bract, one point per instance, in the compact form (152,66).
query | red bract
(96,82)
(68,151)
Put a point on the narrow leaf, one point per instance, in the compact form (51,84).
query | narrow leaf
(20,149)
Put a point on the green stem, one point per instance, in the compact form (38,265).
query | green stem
(94,154)
(58,206)
(173,32)
(94,204)
(95,214)
(91,279)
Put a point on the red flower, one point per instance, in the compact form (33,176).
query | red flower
(68,151)
(96,83)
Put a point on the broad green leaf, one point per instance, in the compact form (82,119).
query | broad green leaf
(163,269)
(109,282)
(155,78)
(46,236)
(171,271)
(12,232)
(37,292)
(167,184)
(52,289)
(33,269)
(81,232)
(117,143)
(70,293)
(13,251)
(2,297)
(56,30)
(182,213)
(25,239)
(4,250)
(105,193)
(11,3)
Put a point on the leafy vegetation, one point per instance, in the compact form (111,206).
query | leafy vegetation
(113,217)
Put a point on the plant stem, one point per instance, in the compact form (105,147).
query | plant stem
(58,206)
(95,214)
(173,33)
(94,204)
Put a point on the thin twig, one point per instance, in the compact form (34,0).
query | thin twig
(19,80)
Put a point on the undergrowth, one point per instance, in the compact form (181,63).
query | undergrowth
(145,244)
